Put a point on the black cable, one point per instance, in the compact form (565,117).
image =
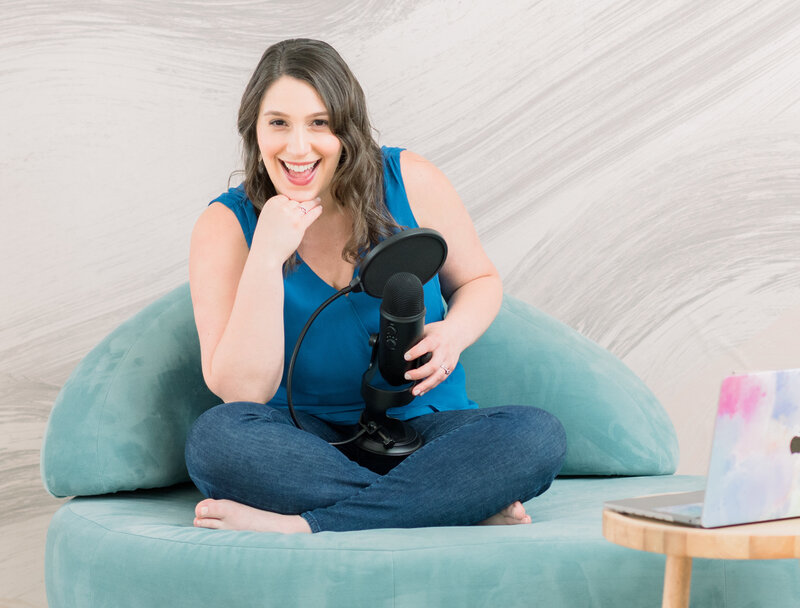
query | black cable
(353,438)
(290,372)
(354,286)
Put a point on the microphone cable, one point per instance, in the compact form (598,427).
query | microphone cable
(290,372)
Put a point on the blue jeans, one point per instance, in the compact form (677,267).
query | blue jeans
(474,463)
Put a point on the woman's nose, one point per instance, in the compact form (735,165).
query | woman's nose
(298,143)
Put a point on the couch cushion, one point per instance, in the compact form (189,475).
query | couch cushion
(614,423)
(140,550)
(120,421)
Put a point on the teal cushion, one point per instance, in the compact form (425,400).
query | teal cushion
(121,419)
(139,550)
(614,423)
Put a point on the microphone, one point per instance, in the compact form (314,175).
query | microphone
(401,325)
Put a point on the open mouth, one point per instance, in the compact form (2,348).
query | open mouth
(300,174)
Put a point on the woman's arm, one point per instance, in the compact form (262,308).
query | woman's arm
(470,282)
(237,296)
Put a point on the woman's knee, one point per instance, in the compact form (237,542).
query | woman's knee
(537,438)
(211,423)
(213,436)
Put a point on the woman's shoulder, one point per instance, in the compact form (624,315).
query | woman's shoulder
(431,196)
(401,164)
(235,199)
(409,161)
(217,227)
(423,179)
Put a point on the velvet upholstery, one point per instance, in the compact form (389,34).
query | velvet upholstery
(614,423)
(138,550)
(121,419)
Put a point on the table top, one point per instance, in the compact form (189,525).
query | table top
(768,540)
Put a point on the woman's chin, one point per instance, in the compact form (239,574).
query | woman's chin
(300,194)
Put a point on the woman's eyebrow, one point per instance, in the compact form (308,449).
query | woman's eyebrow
(277,113)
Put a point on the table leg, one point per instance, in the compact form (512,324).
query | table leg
(677,582)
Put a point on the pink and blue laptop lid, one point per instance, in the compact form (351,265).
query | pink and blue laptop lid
(754,470)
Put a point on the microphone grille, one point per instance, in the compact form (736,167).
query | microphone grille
(403,295)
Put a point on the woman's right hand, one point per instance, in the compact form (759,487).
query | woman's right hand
(282,224)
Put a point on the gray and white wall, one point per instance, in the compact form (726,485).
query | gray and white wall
(633,168)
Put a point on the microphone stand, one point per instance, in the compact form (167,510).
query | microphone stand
(380,434)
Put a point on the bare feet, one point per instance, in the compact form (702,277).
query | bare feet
(230,515)
(512,514)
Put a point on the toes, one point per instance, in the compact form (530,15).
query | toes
(204,507)
(213,524)
(515,510)
(213,509)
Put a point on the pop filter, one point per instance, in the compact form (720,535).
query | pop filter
(420,251)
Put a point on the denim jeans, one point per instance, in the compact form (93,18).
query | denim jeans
(473,464)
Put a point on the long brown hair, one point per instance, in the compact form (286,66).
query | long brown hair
(357,183)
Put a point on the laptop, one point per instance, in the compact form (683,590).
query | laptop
(754,469)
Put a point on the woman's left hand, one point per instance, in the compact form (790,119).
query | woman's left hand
(441,344)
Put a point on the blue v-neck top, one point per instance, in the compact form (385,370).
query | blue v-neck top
(335,352)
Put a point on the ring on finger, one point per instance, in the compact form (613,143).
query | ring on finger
(445,369)
(303,209)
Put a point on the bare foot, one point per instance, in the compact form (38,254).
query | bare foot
(512,514)
(230,515)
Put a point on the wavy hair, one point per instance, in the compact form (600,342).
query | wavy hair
(357,183)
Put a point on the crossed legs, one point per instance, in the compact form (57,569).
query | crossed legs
(262,473)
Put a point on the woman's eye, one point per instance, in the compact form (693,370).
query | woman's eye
(319,122)
(277,122)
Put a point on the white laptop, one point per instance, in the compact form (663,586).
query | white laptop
(754,470)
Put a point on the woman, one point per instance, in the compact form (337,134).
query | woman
(318,193)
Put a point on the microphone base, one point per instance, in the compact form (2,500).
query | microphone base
(388,437)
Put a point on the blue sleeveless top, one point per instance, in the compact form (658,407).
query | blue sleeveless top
(335,352)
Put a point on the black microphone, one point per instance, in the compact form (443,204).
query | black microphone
(401,327)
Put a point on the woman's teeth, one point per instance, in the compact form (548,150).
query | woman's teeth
(299,168)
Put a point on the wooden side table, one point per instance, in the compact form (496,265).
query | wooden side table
(769,540)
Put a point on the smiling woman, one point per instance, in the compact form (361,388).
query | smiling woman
(318,194)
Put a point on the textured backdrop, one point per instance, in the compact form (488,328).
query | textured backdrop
(633,168)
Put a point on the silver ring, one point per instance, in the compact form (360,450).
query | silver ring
(446,371)
(303,209)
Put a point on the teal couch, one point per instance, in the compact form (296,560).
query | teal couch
(115,442)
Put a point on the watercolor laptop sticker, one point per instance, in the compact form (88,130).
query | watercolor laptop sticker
(754,470)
